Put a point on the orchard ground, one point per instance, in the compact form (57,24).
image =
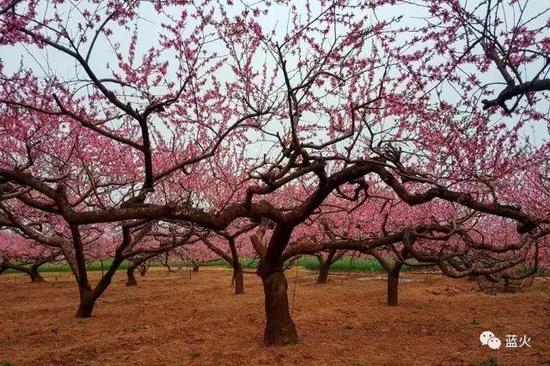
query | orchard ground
(180,318)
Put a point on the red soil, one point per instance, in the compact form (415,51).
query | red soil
(172,319)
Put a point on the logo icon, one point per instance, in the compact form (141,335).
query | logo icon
(494,343)
(487,338)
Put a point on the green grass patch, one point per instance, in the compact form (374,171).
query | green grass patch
(473,323)
(346,264)
(64,267)
(246,263)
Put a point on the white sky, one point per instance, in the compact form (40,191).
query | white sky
(48,61)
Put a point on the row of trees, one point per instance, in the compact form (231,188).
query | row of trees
(134,129)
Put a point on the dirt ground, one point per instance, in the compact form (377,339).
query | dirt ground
(175,319)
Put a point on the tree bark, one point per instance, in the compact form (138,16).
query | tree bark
(239,280)
(393,283)
(87,302)
(280,329)
(325,263)
(237,267)
(131,276)
(35,275)
(323,272)
(88,296)
(195,267)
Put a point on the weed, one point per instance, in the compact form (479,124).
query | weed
(193,354)
(489,361)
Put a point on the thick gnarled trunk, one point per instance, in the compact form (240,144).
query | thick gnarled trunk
(280,329)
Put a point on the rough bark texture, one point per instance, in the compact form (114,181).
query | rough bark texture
(131,276)
(237,268)
(239,280)
(89,296)
(195,267)
(323,273)
(87,299)
(280,329)
(87,302)
(393,283)
(35,276)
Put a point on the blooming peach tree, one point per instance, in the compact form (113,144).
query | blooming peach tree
(284,106)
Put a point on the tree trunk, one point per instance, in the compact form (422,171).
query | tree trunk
(87,302)
(280,329)
(35,276)
(131,277)
(237,267)
(323,272)
(393,282)
(239,280)
(195,267)
(87,298)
